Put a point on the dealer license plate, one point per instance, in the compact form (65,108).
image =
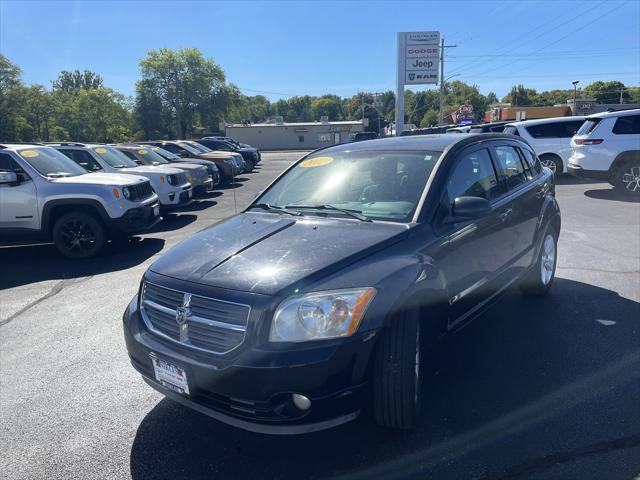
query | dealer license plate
(171,376)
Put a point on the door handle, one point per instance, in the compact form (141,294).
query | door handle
(505,214)
(540,192)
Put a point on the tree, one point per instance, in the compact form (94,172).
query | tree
(9,75)
(430,118)
(607,92)
(70,82)
(520,96)
(327,105)
(184,80)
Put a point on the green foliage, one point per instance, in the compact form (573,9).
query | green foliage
(181,90)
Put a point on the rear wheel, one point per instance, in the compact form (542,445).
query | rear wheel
(553,163)
(397,373)
(540,278)
(78,235)
(627,178)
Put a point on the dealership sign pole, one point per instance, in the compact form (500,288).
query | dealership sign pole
(418,54)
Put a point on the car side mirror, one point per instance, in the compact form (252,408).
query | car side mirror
(468,208)
(8,177)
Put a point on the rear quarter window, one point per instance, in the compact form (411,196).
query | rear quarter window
(511,130)
(627,125)
(588,126)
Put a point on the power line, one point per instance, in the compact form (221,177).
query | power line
(553,42)
(537,29)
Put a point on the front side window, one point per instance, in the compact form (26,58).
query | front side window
(473,176)
(8,164)
(627,125)
(384,185)
(51,163)
(510,168)
(532,160)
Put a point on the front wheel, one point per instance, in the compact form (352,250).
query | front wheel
(540,278)
(628,178)
(78,235)
(397,373)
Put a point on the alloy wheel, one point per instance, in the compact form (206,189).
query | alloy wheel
(550,164)
(631,179)
(78,236)
(547,260)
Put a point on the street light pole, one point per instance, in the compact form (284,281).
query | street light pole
(575,95)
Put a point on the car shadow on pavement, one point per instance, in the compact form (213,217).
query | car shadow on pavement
(612,194)
(30,264)
(172,221)
(198,205)
(525,354)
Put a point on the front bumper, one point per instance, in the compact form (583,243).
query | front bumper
(179,198)
(203,188)
(137,220)
(252,386)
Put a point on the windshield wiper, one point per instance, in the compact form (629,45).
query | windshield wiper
(268,206)
(58,174)
(347,211)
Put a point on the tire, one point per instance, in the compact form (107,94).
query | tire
(553,163)
(397,373)
(627,178)
(540,279)
(78,235)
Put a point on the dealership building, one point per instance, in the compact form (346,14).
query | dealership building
(293,136)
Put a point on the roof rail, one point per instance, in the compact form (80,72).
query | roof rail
(66,144)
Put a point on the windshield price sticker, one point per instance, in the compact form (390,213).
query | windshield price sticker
(101,150)
(29,153)
(143,152)
(316,162)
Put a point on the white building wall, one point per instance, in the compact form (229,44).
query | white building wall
(292,136)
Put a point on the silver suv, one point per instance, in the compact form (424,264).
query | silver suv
(46,196)
(171,185)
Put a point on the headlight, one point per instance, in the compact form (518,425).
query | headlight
(320,315)
(172,179)
(127,192)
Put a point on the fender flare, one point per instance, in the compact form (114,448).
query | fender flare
(623,157)
(50,205)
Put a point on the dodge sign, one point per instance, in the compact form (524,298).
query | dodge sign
(418,52)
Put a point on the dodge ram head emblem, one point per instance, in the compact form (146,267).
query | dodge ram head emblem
(182,314)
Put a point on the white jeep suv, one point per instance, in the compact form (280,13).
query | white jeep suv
(550,139)
(44,196)
(171,185)
(607,147)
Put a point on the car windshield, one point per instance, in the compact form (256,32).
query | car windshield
(165,153)
(150,157)
(51,163)
(383,185)
(202,147)
(114,157)
(189,148)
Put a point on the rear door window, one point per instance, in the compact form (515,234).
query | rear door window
(511,171)
(627,125)
(82,158)
(565,129)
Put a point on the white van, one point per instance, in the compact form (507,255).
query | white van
(550,138)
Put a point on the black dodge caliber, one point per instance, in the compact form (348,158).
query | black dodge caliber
(330,290)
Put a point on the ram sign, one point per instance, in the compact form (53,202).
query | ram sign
(418,57)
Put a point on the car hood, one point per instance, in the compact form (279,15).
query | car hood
(215,155)
(111,179)
(186,166)
(268,252)
(157,169)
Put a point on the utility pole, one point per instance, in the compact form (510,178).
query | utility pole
(442,80)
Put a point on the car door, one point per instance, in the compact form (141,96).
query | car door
(475,251)
(521,203)
(19,201)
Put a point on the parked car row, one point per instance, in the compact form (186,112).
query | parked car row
(604,146)
(80,195)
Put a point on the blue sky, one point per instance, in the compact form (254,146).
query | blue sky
(297,47)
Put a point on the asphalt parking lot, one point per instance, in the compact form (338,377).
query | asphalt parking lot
(536,388)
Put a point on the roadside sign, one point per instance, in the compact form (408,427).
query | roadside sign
(418,56)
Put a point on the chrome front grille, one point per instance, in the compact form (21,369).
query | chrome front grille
(197,322)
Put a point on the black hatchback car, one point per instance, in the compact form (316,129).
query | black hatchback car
(329,291)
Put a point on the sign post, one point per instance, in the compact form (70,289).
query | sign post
(418,54)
